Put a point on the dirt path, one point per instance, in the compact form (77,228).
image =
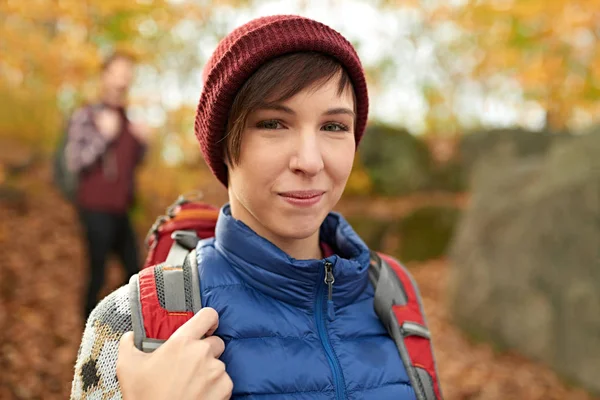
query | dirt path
(41,283)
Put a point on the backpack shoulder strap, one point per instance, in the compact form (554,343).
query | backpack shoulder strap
(164,297)
(398,304)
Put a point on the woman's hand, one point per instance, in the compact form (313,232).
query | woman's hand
(184,367)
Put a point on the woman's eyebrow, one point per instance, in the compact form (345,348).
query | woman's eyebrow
(287,110)
(276,107)
(340,110)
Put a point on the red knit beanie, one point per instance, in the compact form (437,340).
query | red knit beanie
(245,50)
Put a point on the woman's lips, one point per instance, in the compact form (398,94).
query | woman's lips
(304,198)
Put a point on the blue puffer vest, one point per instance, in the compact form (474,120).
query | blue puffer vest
(281,338)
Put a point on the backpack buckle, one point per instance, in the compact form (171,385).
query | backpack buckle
(186,239)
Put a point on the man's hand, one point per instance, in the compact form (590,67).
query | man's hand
(141,132)
(108,123)
(184,367)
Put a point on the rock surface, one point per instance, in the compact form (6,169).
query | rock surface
(527,258)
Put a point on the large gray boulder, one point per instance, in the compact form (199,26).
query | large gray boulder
(503,144)
(526,258)
(518,142)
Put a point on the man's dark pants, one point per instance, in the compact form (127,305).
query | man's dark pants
(105,234)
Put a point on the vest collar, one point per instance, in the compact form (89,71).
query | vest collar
(270,270)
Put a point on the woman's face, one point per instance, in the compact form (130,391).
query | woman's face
(295,159)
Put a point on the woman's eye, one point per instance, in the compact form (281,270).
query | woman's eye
(334,127)
(270,124)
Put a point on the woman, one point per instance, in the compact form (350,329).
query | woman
(283,108)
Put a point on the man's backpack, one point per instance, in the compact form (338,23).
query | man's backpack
(64,179)
(166,292)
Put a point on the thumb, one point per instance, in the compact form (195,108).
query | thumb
(204,323)
(125,354)
(127,346)
(128,361)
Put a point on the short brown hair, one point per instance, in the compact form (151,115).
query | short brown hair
(277,81)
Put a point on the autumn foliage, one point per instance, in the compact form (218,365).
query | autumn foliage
(551,48)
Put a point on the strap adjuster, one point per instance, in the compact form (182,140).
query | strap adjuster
(186,239)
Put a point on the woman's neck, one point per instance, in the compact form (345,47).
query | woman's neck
(299,248)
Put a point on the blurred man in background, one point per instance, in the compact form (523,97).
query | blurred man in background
(104,149)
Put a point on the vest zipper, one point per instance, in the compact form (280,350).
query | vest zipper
(322,311)
(329,280)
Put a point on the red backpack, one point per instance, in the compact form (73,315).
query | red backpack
(166,292)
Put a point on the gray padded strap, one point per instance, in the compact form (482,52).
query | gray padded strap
(181,289)
(181,281)
(396,334)
(390,291)
(139,333)
(420,302)
(174,288)
(196,298)
(426,383)
(177,254)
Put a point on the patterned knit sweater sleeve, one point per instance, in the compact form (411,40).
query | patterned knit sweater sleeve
(95,368)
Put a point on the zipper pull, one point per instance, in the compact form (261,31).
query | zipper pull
(329,280)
